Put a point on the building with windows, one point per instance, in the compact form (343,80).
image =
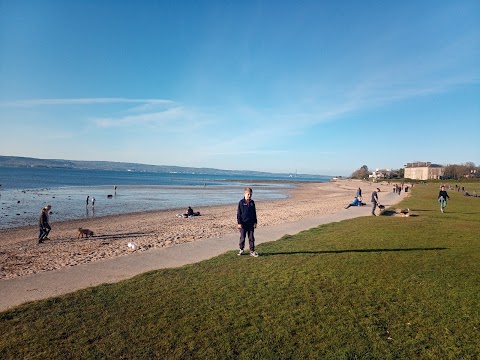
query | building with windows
(423,171)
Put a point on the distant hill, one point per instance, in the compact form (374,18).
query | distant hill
(17,161)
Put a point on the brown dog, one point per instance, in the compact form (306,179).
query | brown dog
(86,232)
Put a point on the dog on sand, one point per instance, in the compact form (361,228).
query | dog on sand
(84,232)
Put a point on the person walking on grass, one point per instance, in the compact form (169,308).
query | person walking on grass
(375,201)
(442,198)
(247,222)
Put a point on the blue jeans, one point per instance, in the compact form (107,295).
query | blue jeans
(442,202)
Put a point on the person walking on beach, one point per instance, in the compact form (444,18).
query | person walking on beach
(88,197)
(442,198)
(43,225)
(93,202)
(375,201)
(247,222)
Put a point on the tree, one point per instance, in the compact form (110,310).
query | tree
(456,171)
(361,173)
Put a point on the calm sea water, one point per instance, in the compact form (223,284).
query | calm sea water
(24,191)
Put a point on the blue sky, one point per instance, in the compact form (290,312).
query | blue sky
(319,87)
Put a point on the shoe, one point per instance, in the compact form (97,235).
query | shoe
(253,253)
(240,252)
(40,241)
(441,210)
(46,238)
(374,214)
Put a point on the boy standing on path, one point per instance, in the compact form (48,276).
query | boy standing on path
(247,221)
(375,202)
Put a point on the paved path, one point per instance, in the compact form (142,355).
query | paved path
(44,285)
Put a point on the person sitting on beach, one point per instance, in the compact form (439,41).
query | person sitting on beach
(190,212)
(355,202)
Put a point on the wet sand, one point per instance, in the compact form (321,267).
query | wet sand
(21,255)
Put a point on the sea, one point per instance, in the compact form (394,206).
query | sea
(25,190)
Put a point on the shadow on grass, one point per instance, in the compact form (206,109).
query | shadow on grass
(351,251)
(394,213)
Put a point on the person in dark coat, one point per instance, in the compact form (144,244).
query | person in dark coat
(43,225)
(247,222)
(442,198)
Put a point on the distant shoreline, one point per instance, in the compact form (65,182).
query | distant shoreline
(18,161)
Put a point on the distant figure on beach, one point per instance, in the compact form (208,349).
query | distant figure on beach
(43,224)
(442,198)
(115,188)
(359,194)
(190,212)
(247,222)
(375,201)
(93,201)
(88,197)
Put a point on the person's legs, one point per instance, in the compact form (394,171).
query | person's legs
(41,234)
(242,238)
(374,207)
(443,203)
(47,231)
(251,240)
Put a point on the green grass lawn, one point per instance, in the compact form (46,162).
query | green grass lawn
(384,287)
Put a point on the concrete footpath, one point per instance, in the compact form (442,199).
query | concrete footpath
(16,291)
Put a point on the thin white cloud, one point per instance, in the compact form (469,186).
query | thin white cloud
(82,101)
(159,117)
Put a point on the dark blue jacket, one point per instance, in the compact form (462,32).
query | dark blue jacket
(246,213)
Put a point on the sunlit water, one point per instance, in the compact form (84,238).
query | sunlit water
(25,191)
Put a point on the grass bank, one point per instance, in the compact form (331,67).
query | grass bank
(382,287)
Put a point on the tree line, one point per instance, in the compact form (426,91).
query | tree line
(454,171)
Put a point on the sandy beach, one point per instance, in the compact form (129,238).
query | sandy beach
(21,255)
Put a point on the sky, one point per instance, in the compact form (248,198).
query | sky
(313,87)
